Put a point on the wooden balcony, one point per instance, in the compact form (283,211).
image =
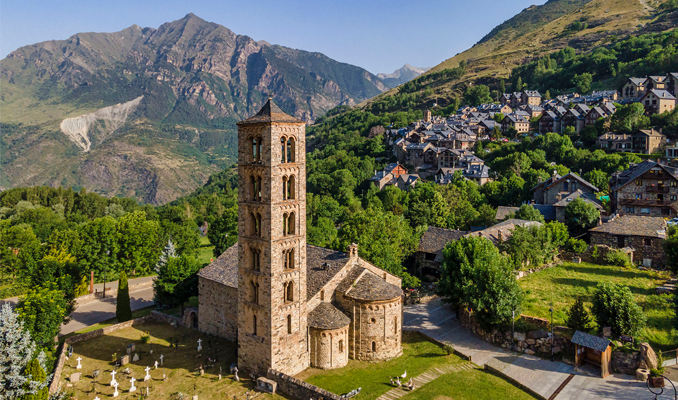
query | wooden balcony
(644,202)
(657,189)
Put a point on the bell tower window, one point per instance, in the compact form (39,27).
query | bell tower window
(283,150)
(290,150)
(255,188)
(289,324)
(289,291)
(290,188)
(255,292)
(288,259)
(256,259)
(285,186)
(256,150)
(256,224)
(254,325)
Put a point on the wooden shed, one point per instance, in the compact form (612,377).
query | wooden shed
(592,350)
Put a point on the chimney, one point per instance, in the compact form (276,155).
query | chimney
(353,252)
(555,172)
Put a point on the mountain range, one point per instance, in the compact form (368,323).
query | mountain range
(150,113)
(401,75)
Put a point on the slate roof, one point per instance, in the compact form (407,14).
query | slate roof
(477,171)
(662,94)
(627,176)
(224,269)
(326,316)
(435,239)
(557,178)
(588,197)
(270,112)
(503,229)
(369,287)
(318,275)
(590,341)
(638,81)
(547,211)
(505,211)
(631,225)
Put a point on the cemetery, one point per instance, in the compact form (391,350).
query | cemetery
(158,360)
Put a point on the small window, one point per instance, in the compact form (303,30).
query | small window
(254,325)
(639,182)
(341,346)
(644,210)
(639,196)
(290,292)
(674,183)
(395,326)
(322,295)
(256,259)
(647,242)
(374,346)
(373,320)
(283,147)
(630,210)
(289,324)
(290,150)
(674,197)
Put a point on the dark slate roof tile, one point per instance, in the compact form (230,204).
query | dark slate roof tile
(326,316)
(590,341)
(224,269)
(631,225)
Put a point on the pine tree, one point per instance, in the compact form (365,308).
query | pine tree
(578,318)
(519,84)
(167,253)
(17,349)
(123,310)
(34,372)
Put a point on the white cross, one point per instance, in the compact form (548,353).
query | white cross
(113,375)
(78,360)
(97,398)
(199,346)
(155,365)
(161,357)
(132,388)
(147,369)
(115,394)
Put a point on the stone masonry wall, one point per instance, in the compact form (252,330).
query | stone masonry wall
(374,325)
(655,252)
(329,348)
(218,309)
(298,389)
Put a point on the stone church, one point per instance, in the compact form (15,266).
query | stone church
(290,305)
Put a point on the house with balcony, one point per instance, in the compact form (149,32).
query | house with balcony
(648,141)
(634,88)
(658,101)
(645,189)
(557,187)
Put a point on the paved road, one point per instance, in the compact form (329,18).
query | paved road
(90,311)
(541,376)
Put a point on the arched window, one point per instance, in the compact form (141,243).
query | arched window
(255,292)
(374,346)
(289,324)
(290,224)
(395,325)
(288,259)
(289,296)
(256,150)
(285,187)
(283,148)
(322,295)
(256,259)
(256,223)
(290,150)
(290,188)
(341,346)
(285,224)
(255,188)
(254,324)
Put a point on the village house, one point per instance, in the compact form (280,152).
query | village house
(388,175)
(655,83)
(502,231)
(520,123)
(658,101)
(647,189)
(672,152)
(573,118)
(672,83)
(578,194)
(643,235)
(429,253)
(531,98)
(478,173)
(549,122)
(615,142)
(633,89)
(532,110)
(557,187)
(648,141)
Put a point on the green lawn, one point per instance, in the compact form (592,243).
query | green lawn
(561,285)
(419,355)
(474,384)
(205,251)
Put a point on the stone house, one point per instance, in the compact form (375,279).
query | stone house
(648,141)
(615,142)
(559,187)
(414,154)
(388,175)
(655,82)
(634,88)
(520,123)
(578,194)
(573,118)
(291,305)
(644,235)
(648,189)
(530,98)
(429,253)
(672,83)
(595,114)
(534,111)
(672,152)
(658,101)
(549,122)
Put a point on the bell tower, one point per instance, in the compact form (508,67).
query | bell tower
(272,315)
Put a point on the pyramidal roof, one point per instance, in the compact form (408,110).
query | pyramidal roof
(270,112)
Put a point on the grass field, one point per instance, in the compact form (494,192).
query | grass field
(419,355)
(562,285)
(180,365)
(205,251)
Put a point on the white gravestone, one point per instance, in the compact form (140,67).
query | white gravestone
(115,394)
(199,346)
(113,381)
(161,357)
(135,358)
(132,388)
(79,365)
(155,365)
(148,376)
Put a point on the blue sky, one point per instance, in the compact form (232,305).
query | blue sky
(377,35)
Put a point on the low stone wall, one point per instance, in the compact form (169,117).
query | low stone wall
(298,389)
(154,316)
(531,342)
(625,363)
(522,274)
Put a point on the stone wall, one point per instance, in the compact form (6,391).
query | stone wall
(298,389)
(625,363)
(218,309)
(375,332)
(654,251)
(329,348)
(61,359)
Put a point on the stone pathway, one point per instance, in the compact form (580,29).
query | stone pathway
(548,380)
(425,378)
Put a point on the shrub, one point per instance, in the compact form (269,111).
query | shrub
(660,362)
(576,246)
(614,306)
(145,339)
(578,318)
(654,373)
(618,258)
